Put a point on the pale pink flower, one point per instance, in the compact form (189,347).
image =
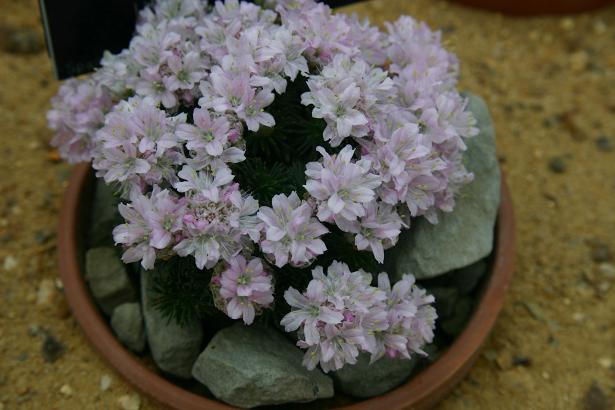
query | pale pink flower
(292,234)
(245,287)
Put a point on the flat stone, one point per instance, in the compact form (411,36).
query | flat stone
(105,215)
(174,347)
(106,274)
(365,380)
(127,323)
(465,235)
(256,366)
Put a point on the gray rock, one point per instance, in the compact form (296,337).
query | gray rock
(105,215)
(446,298)
(465,235)
(106,274)
(256,366)
(454,324)
(174,347)
(466,279)
(127,323)
(365,380)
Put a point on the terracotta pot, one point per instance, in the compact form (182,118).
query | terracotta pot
(537,7)
(421,392)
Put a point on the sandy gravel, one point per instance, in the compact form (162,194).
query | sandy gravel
(550,83)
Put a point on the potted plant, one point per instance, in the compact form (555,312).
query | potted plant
(304,207)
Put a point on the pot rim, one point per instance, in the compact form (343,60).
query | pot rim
(421,392)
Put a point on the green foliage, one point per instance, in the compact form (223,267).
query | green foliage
(263,180)
(340,247)
(275,163)
(276,157)
(181,290)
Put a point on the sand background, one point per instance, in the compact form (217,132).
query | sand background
(550,83)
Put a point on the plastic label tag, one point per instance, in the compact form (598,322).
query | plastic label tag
(77,32)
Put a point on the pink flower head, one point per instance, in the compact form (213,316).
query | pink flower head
(291,232)
(379,229)
(341,314)
(341,187)
(150,224)
(78,112)
(209,133)
(245,287)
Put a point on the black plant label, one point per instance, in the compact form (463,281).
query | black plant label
(79,31)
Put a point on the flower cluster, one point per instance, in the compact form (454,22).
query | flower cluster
(341,314)
(78,112)
(211,224)
(168,121)
(243,289)
(291,232)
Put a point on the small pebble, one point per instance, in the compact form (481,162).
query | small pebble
(567,23)
(579,61)
(596,399)
(34,330)
(42,237)
(59,284)
(130,402)
(536,311)
(605,362)
(22,388)
(54,156)
(66,390)
(545,375)
(46,293)
(578,317)
(604,143)
(601,252)
(600,27)
(570,121)
(607,270)
(558,165)
(20,41)
(105,382)
(52,349)
(10,263)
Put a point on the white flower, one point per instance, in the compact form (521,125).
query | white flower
(291,232)
(340,186)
